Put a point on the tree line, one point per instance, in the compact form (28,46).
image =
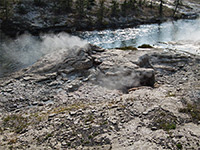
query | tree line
(82,8)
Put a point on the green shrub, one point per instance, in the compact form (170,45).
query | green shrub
(163,120)
(127,48)
(168,126)
(179,146)
(39,3)
(48,136)
(145,46)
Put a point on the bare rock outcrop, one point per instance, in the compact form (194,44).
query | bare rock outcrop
(113,69)
(90,98)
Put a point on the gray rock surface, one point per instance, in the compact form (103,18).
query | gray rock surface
(89,98)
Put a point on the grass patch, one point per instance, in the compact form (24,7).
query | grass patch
(12,141)
(145,46)
(36,117)
(90,137)
(193,110)
(128,48)
(105,122)
(163,120)
(90,118)
(10,147)
(16,123)
(87,142)
(168,126)
(48,136)
(95,134)
(68,108)
(179,146)
(68,144)
(165,124)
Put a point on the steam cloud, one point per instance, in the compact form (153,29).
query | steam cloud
(120,78)
(27,49)
(190,31)
(187,37)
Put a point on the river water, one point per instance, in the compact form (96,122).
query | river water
(181,35)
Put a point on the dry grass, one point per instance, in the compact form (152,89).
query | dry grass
(193,110)
(17,123)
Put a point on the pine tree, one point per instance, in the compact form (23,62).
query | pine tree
(68,5)
(177,3)
(151,4)
(131,4)
(100,13)
(38,2)
(114,8)
(5,11)
(140,3)
(124,7)
(80,7)
(161,8)
(1,3)
(90,4)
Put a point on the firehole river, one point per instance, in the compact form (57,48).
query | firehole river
(181,35)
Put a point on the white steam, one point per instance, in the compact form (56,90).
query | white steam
(119,81)
(187,37)
(122,77)
(27,49)
(189,31)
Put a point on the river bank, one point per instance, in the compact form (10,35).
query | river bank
(181,35)
(44,18)
(25,50)
(91,98)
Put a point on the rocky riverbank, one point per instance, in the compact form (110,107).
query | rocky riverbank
(91,98)
(49,16)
